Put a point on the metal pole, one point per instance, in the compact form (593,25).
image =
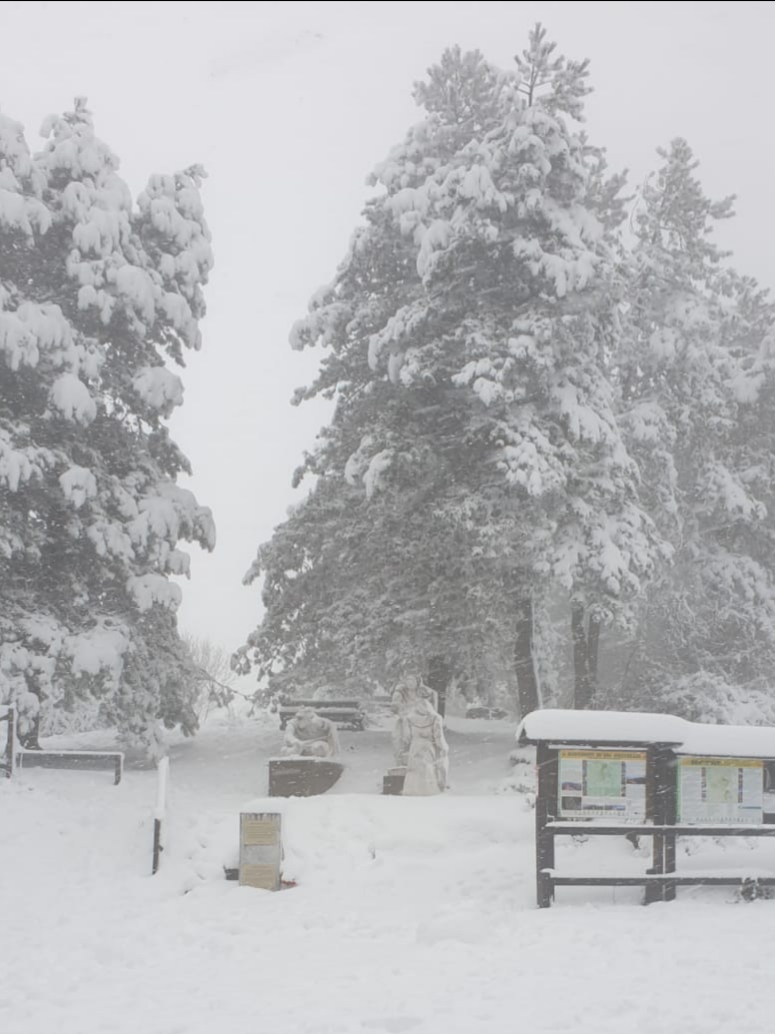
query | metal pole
(161,809)
(157,848)
(10,746)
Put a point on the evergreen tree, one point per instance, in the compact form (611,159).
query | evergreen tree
(696,382)
(470,331)
(97,298)
(368,577)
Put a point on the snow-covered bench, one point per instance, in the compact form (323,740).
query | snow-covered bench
(14,757)
(83,760)
(344,713)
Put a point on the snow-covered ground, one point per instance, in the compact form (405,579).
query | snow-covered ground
(408,915)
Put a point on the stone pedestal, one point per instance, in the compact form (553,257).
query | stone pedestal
(393,782)
(302,777)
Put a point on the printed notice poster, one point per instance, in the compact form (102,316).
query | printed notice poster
(603,784)
(727,791)
(260,853)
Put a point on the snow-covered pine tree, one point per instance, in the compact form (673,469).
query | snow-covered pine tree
(483,293)
(696,379)
(368,577)
(513,244)
(300,636)
(97,298)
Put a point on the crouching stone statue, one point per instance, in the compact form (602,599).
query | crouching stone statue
(310,736)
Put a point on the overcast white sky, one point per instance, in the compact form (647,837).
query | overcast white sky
(289,105)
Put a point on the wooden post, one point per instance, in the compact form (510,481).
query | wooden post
(546,810)
(670,810)
(654,814)
(662,797)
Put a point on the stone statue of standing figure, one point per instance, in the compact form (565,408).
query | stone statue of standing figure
(418,739)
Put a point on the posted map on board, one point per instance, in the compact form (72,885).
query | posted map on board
(727,791)
(603,784)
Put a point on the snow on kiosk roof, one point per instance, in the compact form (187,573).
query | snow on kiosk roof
(639,727)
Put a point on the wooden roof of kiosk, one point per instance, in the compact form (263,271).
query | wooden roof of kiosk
(641,729)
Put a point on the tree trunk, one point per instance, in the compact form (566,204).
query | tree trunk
(30,740)
(580,672)
(586,646)
(439,675)
(524,660)
(593,651)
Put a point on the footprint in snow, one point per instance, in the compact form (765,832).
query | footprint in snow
(392,1024)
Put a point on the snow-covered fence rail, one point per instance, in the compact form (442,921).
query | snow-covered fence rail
(8,761)
(162,783)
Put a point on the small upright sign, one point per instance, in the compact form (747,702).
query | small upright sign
(260,851)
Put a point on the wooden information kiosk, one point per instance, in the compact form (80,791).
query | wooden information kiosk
(603,773)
